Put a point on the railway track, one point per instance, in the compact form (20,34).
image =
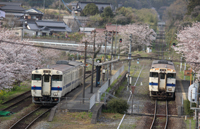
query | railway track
(18,100)
(26,96)
(158,121)
(130,98)
(26,121)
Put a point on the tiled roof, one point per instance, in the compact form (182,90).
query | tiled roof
(10,7)
(50,23)
(94,3)
(33,26)
(98,4)
(112,27)
(33,11)
(10,3)
(100,30)
(48,26)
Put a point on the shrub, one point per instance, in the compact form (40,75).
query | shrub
(187,109)
(117,105)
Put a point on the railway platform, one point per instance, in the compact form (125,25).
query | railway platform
(74,101)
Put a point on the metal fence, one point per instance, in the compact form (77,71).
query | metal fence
(105,86)
(71,104)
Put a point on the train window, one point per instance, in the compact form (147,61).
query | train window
(153,74)
(57,78)
(36,77)
(162,76)
(46,78)
(171,75)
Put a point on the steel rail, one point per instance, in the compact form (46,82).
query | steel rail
(24,117)
(166,123)
(129,98)
(15,103)
(155,110)
(37,118)
(17,97)
(155,114)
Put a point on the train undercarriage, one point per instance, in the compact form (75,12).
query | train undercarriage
(162,95)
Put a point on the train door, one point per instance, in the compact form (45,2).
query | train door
(46,89)
(162,82)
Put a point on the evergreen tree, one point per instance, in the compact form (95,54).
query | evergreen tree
(192,4)
(90,9)
(107,12)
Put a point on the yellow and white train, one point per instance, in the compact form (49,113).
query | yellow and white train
(50,84)
(162,80)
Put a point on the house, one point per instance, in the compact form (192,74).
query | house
(13,13)
(2,16)
(44,28)
(86,29)
(73,5)
(100,30)
(33,14)
(112,28)
(81,5)
(12,9)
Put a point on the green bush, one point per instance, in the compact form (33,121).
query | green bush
(117,105)
(187,109)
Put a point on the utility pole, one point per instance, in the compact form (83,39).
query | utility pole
(197,104)
(59,10)
(22,29)
(115,42)
(111,64)
(103,70)
(119,48)
(91,90)
(84,69)
(129,58)
(44,6)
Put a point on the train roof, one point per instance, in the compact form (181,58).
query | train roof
(65,65)
(162,64)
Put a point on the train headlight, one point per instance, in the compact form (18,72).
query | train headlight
(169,89)
(55,94)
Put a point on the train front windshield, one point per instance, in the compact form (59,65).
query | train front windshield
(171,75)
(153,74)
(36,76)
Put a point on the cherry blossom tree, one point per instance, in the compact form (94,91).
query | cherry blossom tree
(17,61)
(189,45)
(141,35)
(98,38)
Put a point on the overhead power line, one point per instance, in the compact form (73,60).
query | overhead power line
(65,49)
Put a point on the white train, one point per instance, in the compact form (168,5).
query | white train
(50,84)
(162,80)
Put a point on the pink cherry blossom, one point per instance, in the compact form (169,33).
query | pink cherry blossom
(17,61)
(189,45)
(141,35)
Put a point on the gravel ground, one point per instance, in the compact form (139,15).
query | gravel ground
(141,104)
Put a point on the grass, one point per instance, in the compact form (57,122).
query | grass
(121,88)
(190,124)
(7,94)
(110,87)
(18,115)
(73,118)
